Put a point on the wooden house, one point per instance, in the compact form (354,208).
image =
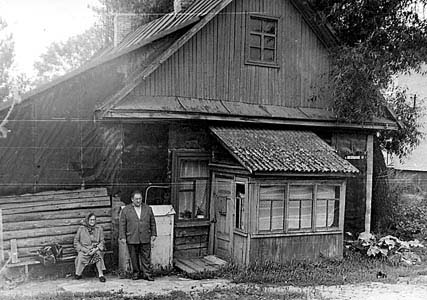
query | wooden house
(224,105)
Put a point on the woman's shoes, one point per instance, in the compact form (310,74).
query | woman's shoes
(77,277)
(102,278)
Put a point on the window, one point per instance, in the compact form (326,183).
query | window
(288,207)
(191,186)
(262,40)
(240,206)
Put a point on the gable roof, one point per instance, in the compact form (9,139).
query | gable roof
(190,21)
(284,151)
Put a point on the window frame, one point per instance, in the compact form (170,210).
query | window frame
(313,229)
(177,157)
(262,63)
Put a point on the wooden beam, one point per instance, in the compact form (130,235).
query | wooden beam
(369,176)
(1,238)
(14,251)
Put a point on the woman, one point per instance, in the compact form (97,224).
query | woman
(89,244)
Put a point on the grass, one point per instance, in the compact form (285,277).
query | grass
(236,293)
(354,268)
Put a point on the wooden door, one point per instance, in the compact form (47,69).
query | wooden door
(222,187)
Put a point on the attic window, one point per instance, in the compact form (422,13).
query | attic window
(261,40)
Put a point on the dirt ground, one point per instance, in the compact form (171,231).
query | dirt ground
(407,288)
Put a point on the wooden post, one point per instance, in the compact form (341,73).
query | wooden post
(369,177)
(1,237)
(14,251)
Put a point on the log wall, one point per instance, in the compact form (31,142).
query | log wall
(37,220)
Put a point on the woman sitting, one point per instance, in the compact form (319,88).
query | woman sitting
(89,244)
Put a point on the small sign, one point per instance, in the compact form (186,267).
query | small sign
(355,157)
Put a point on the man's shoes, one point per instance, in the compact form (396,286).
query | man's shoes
(135,276)
(102,278)
(77,277)
(149,278)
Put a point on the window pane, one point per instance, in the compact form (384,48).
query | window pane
(325,192)
(255,24)
(201,197)
(268,55)
(274,192)
(321,213)
(240,206)
(255,40)
(264,215)
(185,205)
(306,209)
(269,27)
(193,168)
(293,215)
(255,53)
(269,42)
(337,192)
(333,213)
(277,215)
(301,192)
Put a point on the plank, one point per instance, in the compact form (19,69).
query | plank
(52,231)
(14,251)
(54,215)
(42,241)
(183,267)
(204,266)
(13,226)
(1,238)
(60,195)
(102,201)
(191,246)
(52,207)
(215,260)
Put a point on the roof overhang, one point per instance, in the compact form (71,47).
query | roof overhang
(283,152)
(181,108)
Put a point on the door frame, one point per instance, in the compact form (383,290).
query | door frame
(235,178)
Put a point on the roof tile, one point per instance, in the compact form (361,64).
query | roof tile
(294,151)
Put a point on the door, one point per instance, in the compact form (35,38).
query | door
(222,187)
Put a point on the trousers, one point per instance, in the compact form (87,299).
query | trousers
(140,255)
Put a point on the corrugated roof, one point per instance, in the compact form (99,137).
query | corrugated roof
(293,151)
(165,23)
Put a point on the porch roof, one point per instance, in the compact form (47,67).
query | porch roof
(172,107)
(289,151)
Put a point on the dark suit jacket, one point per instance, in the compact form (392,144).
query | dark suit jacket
(134,230)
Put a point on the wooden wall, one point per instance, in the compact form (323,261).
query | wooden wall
(37,220)
(300,247)
(212,64)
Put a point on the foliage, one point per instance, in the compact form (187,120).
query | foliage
(389,247)
(12,84)
(106,9)
(62,57)
(378,39)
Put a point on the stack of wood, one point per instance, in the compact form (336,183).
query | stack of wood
(29,222)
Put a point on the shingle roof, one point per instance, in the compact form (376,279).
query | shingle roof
(293,151)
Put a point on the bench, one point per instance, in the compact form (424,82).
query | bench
(26,262)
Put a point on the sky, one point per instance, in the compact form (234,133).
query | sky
(35,24)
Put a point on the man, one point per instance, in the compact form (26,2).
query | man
(137,228)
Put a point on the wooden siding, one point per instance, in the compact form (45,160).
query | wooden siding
(302,247)
(212,64)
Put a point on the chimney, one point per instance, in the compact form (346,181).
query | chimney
(126,23)
(181,5)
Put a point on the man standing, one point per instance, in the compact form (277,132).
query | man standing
(137,228)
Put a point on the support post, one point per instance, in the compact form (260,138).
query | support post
(1,237)
(369,179)
(14,251)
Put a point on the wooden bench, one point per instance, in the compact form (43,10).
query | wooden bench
(26,262)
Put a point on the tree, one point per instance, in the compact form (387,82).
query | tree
(12,84)
(378,39)
(62,57)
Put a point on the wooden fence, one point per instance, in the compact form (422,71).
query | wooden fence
(37,220)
